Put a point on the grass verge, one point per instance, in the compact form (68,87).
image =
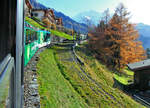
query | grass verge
(104,77)
(53,32)
(55,91)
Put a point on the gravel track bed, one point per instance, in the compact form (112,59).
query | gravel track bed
(31,95)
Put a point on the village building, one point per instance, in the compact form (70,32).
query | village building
(28,8)
(59,21)
(83,36)
(48,17)
(141,74)
(39,13)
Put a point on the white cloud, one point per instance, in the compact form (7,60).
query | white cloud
(140,10)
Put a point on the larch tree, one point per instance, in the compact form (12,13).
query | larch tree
(97,37)
(123,39)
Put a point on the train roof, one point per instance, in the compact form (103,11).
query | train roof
(140,65)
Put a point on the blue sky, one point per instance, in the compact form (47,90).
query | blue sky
(139,8)
(73,7)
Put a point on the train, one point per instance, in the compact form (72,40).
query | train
(19,41)
(33,40)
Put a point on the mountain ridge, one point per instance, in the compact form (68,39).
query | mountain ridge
(91,15)
(144,29)
(67,21)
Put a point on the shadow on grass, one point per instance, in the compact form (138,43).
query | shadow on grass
(85,49)
(64,44)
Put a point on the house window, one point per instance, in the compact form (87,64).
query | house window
(35,14)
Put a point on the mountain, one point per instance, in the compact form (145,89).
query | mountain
(143,29)
(144,32)
(37,5)
(90,15)
(70,23)
(78,23)
(67,21)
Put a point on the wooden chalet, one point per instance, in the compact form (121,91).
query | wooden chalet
(48,17)
(28,8)
(141,74)
(44,13)
(59,21)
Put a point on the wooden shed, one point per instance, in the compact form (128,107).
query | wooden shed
(141,74)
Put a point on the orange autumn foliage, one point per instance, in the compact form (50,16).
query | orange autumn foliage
(116,41)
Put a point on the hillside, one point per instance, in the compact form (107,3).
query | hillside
(78,24)
(53,32)
(55,91)
(70,23)
(67,21)
(63,82)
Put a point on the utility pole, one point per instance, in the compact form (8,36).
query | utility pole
(73,30)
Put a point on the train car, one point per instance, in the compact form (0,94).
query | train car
(44,38)
(11,53)
(30,42)
(33,40)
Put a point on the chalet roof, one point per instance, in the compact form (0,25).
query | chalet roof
(28,3)
(140,65)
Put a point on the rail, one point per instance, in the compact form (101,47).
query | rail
(142,101)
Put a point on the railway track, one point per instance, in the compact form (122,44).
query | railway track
(78,61)
(96,87)
(140,100)
(134,96)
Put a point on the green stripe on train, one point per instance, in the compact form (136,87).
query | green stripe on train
(33,39)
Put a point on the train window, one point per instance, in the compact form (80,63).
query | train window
(31,35)
(47,36)
(28,33)
(7,28)
(36,35)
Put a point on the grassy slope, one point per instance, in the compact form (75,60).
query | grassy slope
(105,77)
(56,65)
(55,91)
(54,32)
